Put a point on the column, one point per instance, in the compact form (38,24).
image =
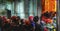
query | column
(20,9)
(31,8)
(26,8)
(35,7)
(12,11)
(15,6)
(58,15)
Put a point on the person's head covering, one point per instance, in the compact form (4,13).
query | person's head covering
(13,17)
(36,18)
(4,18)
(31,18)
(47,14)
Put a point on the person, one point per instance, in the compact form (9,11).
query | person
(18,20)
(32,22)
(37,26)
(3,22)
(18,23)
(0,23)
(7,25)
(21,26)
(42,23)
(14,23)
(28,26)
(48,14)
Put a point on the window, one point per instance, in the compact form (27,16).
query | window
(20,9)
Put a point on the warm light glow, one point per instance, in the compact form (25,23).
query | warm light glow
(50,5)
(55,5)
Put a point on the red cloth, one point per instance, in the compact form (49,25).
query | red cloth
(31,18)
(13,17)
(47,20)
(4,18)
(45,29)
(43,18)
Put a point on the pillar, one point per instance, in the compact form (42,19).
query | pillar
(31,8)
(35,7)
(12,11)
(58,15)
(26,8)
(15,5)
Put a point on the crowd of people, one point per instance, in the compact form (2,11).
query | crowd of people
(15,23)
